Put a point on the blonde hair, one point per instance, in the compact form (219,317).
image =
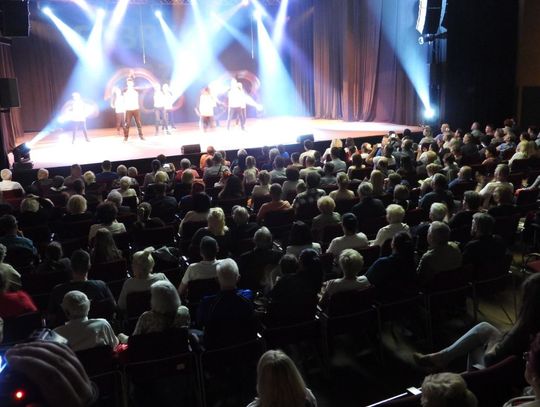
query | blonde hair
(216,221)
(29,205)
(264,177)
(351,262)
(395,213)
(161,177)
(342,180)
(143,262)
(447,390)
(326,205)
(89,177)
(336,143)
(279,383)
(125,183)
(76,204)
(377,182)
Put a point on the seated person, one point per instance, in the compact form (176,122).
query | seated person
(311,168)
(228,317)
(13,277)
(486,249)
(204,269)
(351,239)
(7,184)
(350,263)
(439,193)
(437,213)
(394,216)
(278,171)
(163,205)
(200,208)
(389,274)
(241,228)
(105,250)
(263,188)
(446,389)
(13,304)
(77,210)
(401,197)
(144,220)
(343,192)
(368,207)
(300,238)
(142,266)
(95,290)
(216,229)
(276,203)
(106,216)
(328,179)
(31,214)
(464,175)
(83,333)
(471,205)
(504,198)
(116,199)
(11,237)
(312,193)
(167,311)
(54,260)
(292,181)
(502,173)
(326,206)
(443,255)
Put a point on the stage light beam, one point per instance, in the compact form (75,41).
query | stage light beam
(158,14)
(47,11)
(279,26)
(429,113)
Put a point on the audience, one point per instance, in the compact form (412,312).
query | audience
(301,238)
(276,203)
(54,260)
(106,216)
(448,390)
(13,303)
(343,192)
(12,276)
(7,184)
(326,206)
(204,269)
(104,250)
(394,216)
(351,239)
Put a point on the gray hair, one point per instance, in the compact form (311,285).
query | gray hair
(121,170)
(365,189)
(438,211)
(143,261)
(227,273)
(263,238)
(5,174)
(3,252)
(439,233)
(76,304)
(483,224)
(125,183)
(448,389)
(115,197)
(165,299)
(395,213)
(351,262)
(240,215)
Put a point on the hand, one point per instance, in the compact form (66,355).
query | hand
(55,370)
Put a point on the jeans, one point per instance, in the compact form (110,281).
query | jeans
(136,114)
(77,126)
(161,118)
(473,344)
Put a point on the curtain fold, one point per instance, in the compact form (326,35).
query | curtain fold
(11,122)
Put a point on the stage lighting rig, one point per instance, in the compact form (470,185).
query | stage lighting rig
(427,38)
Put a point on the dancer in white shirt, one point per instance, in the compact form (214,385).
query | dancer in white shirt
(207,104)
(237,104)
(131,104)
(159,109)
(168,103)
(117,103)
(78,114)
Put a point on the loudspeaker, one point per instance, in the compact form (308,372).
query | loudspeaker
(14,22)
(191,149)
(9,93)
(429,16)
(301,139)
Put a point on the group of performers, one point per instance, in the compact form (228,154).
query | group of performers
(126,105)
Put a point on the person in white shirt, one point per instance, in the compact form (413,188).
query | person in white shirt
(83,333)
(501,175)
(350,239)
(7,184)
(117,103)
(131,104)
(169,104)
(159,109)
(394,216)
(207,103)
(237,104)
(78,115)
(206,268)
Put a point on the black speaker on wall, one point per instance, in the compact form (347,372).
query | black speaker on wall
(14,18)
(191,149)
(9,93)
(429,16)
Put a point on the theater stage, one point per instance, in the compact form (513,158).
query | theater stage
(56,150)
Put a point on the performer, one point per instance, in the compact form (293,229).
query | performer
(131,104)
(78,116)
(237,104)
(207,103)
(117,103)
(168,103)
(159,109)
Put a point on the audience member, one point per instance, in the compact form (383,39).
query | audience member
(343,192)
(204,269)
(448,390)
(104,250)
(276,203)
(11,237)
(300,239)
(216,229)
(351,239)
(368,207)
(394,216)
(54,260)
(326,206)
(13,303)
(7,184)
(106,216)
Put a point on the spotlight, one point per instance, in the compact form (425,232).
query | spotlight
(158,14)
(258,14)
(244,3)
(46,11)
(429,113)
(100,12)
(21,157)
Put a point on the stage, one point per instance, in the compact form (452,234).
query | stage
(56,150)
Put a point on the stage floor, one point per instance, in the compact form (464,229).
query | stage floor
(56,149)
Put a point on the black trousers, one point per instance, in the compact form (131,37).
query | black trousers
(136,114)
(77,126)
(120,121)
(236,113)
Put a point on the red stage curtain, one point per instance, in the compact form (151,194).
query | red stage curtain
(11,122)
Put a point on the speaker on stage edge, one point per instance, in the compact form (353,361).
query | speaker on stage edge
(191,149)
(301,139)
(9,93)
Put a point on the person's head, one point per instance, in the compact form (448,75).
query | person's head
(342,180)
(309,161)
(313,180)
(143,263)
(125,183)
(491,151)
(432,169)
(208,248)
(240,215)
(210,150)
(227,274)
(104,242)
(122,170)
(288,264)
(357,160)
(115,197)
(292,174)
(58,181)
(132,172)
(8,225)
(446,390)
(75,170)
(89,177)
(54,251)
(403,245)
(264,177)
(234,187)
(29,205)
(394,179)
(155,165)
(161,177)
(217,159)
(76,205)
(201,203)
(401,193)
(300,234)
(216,221)
(349,223)
(503,195)
(438,212)
(438,234)
(502,172)
(329,168)
(80,263)
(395,213)
(326,205)
(465,173)
(308,145)
(43,174)
(351,263)
(279,383)
(472,200)
(295,158)
(439,182)
(482,225)
(275,192)
(143,211)
(365,190)
(106,165)
(75,305)
(164,298)
(263,238)
(5,174)
(106,213)
(279,162)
